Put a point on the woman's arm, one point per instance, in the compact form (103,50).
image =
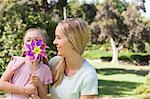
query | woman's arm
(88,97)
(42,90)
(89,87)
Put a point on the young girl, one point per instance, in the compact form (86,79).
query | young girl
(18,79)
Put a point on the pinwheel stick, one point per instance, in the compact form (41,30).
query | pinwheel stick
(34,65)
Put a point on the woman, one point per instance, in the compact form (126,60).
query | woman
(73,76)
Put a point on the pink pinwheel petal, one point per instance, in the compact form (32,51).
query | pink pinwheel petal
(39,43)
(43,47)
(35,58)
(32,58)
(43,54)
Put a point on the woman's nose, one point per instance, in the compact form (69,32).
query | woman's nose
(55,41)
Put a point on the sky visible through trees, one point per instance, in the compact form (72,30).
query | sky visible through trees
(147,6)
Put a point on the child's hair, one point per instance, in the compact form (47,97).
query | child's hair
(77,32)
(43,33)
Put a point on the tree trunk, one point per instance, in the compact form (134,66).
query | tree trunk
(64,12)
(115,51)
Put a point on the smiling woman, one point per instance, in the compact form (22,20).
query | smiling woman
(71,72)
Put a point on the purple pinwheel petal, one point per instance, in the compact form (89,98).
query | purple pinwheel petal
(28,46)
(33,43)
(39,43)
(39,57)
(30,53)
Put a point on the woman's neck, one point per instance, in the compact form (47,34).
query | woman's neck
(73,64)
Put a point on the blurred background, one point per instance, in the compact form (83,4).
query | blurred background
(119,46)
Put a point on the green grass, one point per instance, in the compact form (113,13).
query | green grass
(118,79)
(92,54)
(123,55)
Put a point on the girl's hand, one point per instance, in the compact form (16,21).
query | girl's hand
(29,89)
(34,97)
(35,81)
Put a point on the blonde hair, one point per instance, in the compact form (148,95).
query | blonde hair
(42,33)
(77,32)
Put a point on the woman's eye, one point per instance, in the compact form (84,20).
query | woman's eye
(58,38)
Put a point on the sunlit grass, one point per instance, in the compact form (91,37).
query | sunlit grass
(118,79)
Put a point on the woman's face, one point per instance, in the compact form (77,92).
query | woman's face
(32,35)
(62,43)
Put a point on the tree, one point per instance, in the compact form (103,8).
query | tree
(138,30)
(84,10)
(111,24)
(121,27)
(61,5)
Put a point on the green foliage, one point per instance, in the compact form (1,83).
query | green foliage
(84,11)
(120,5)
(90,10)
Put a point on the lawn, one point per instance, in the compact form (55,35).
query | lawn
(124,55)
(118,79)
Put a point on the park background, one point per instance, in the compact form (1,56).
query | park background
(119,46)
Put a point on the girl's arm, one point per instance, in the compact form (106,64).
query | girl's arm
(6,86)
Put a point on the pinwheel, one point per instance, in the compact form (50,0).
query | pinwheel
(36,50)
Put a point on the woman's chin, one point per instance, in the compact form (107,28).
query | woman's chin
(59,54)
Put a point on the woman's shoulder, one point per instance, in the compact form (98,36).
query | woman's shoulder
(88,67)
(54,61)
(88,70)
